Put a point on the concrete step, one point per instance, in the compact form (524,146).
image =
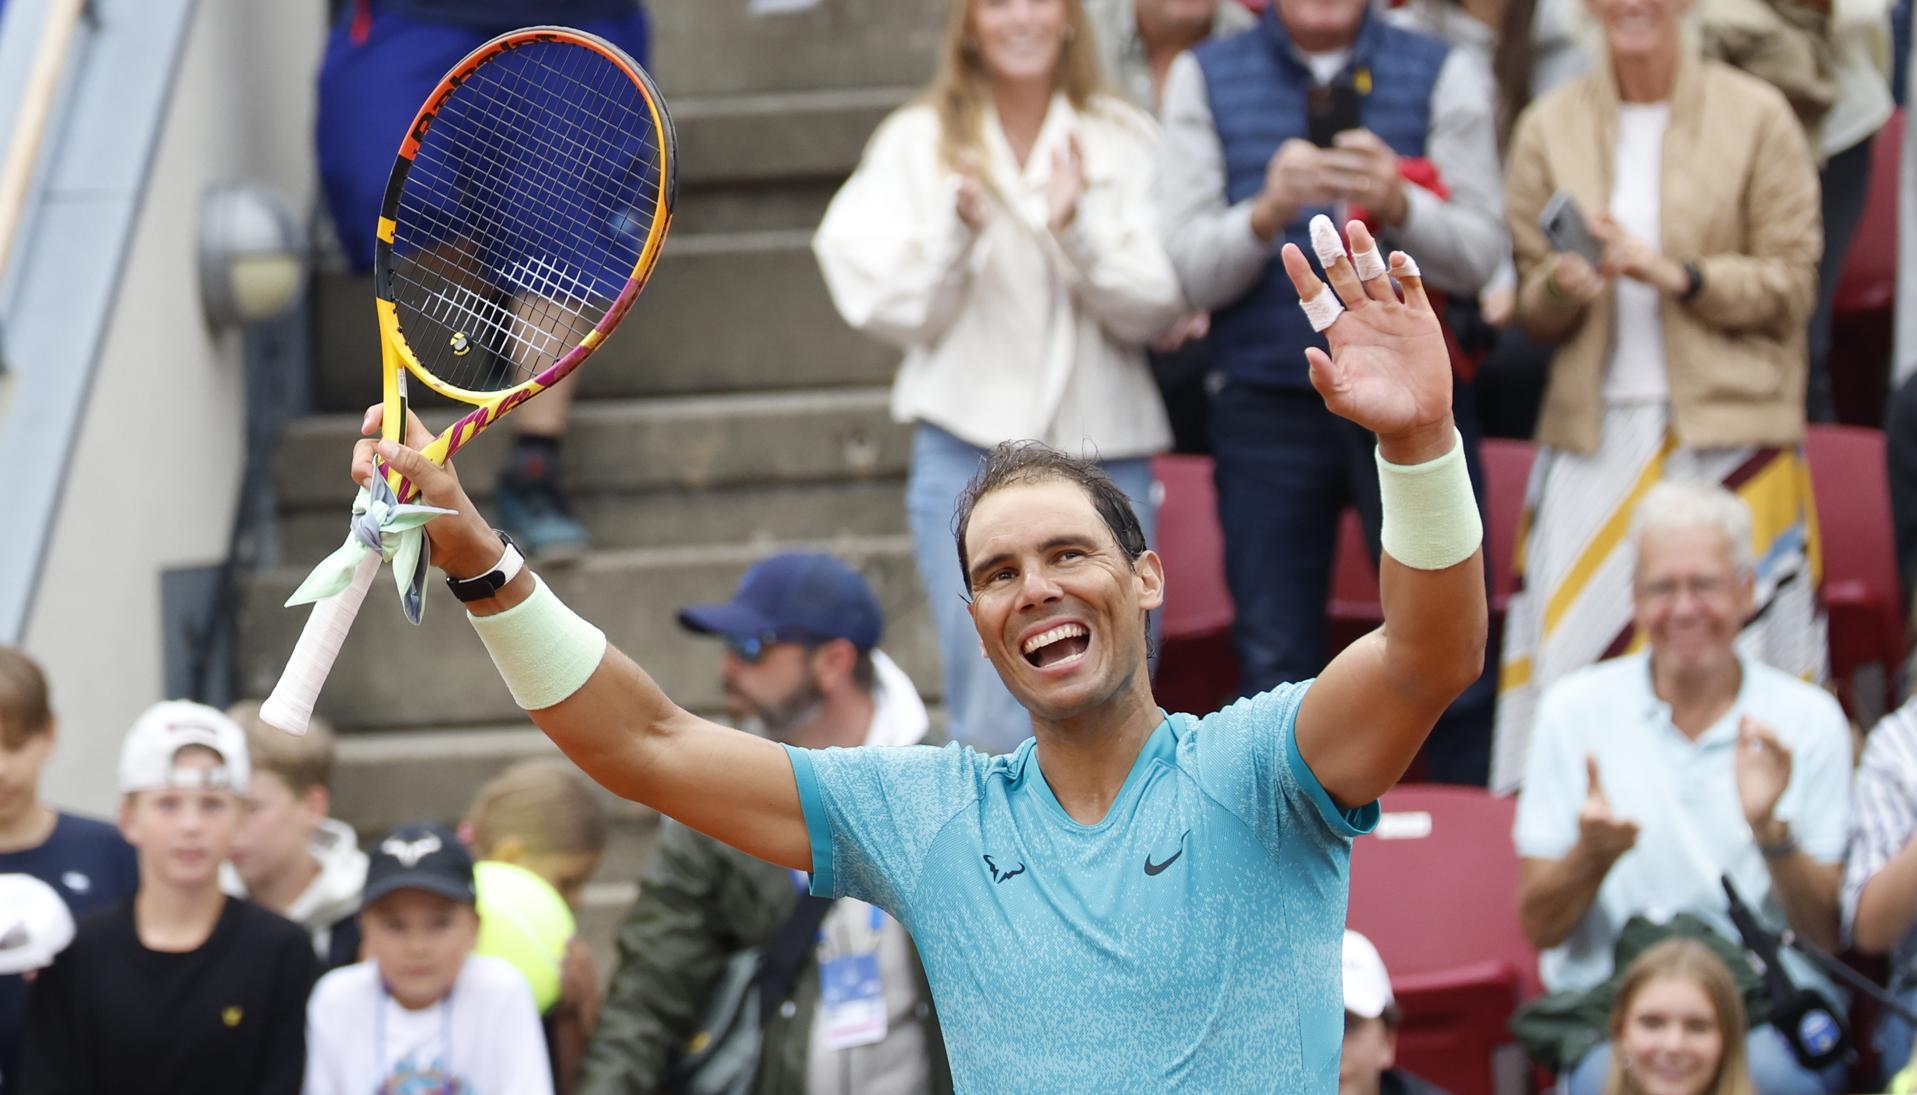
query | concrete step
(721,47)
(692,443)
(393,676)
(390,778)
(723,313)
(775,138)
(675,517)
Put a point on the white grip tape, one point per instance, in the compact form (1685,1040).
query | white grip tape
(290,706)
(1409,269)
(1369,264)
(544,651)
(1325,242)
(1430,515)
(1322,310)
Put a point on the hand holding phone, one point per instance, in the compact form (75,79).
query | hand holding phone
(1331,109)
(1566,230)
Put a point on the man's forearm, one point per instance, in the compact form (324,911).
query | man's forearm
(1807,889)
(1887,904)
(1554,894)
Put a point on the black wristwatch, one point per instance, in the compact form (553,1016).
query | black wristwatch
(1693,283)
(481,586)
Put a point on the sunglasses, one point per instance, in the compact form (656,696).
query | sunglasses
(751,648)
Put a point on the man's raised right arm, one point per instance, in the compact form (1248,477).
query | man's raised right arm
(618,725)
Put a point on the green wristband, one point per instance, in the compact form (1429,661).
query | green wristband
(1431,517)
(544,651)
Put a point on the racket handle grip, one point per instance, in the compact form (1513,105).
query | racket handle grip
(290,706)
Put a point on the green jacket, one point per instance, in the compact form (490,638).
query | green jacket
(699,903)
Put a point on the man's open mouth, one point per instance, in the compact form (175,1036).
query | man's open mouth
(1059,644)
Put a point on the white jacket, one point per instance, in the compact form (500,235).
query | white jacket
(1013,331)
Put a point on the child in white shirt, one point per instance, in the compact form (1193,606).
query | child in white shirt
(423,1013)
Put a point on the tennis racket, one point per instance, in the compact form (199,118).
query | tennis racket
(525,212)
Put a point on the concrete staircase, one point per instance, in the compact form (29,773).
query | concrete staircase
(731,414)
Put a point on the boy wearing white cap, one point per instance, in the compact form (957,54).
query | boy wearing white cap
(1371,1028)
(182,988)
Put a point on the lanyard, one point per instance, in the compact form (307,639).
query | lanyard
(449,1083)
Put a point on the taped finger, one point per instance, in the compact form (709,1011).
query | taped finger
(1322,310)
(1330,248)
(1369,264)
(1405,269)
(1325,242)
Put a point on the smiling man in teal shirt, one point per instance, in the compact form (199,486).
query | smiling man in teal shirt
(1130,901)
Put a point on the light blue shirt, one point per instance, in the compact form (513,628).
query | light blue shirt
(1189,941)
(1683,796)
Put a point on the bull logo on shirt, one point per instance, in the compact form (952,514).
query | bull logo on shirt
(1000,874)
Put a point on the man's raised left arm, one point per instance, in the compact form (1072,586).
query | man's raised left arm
(1365,717)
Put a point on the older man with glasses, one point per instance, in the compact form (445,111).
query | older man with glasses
(800,666)
(1653,774)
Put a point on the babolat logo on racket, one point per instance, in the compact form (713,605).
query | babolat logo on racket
(461,344)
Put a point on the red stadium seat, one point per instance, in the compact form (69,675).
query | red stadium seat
(1868,281)
(1435,888)
(1454,1022)
(1860,592)
(1861,316)
(1197,668)
(1507,471)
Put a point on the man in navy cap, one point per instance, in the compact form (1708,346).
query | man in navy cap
(800,666)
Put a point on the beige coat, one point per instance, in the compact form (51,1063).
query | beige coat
(1739,197)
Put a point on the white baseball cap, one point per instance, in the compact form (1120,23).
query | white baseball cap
(35,924)
(146,756)
(1367,985)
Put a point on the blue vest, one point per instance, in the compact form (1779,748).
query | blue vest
(1257,84)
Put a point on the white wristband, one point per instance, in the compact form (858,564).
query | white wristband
(544,651)
(1430,515)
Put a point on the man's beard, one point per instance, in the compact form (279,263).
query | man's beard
(777,719)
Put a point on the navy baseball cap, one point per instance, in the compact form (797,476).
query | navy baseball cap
(794,597)
(421,857)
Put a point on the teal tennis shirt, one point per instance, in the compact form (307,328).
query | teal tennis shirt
(1190,941)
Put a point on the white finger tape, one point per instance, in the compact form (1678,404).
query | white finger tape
(1325,242)
(1323,310)
(1410,267)
(1368,264)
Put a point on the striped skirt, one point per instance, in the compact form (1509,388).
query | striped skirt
(1573,606)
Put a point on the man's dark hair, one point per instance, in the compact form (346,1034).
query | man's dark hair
(1015,462)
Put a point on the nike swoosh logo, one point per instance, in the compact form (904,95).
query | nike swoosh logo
(1155,868)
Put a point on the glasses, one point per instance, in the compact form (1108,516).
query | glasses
(1699,586)
(751,648)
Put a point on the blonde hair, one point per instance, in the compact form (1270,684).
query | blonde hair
(544,802)
(961,88)
(25,710)
(301,761)
(1693,961)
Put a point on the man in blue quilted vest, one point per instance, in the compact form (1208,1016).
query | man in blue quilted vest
(1322,107)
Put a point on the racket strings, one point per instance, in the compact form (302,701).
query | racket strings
(524,213)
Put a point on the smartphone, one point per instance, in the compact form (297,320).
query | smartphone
(1332,109)
(1564,227)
